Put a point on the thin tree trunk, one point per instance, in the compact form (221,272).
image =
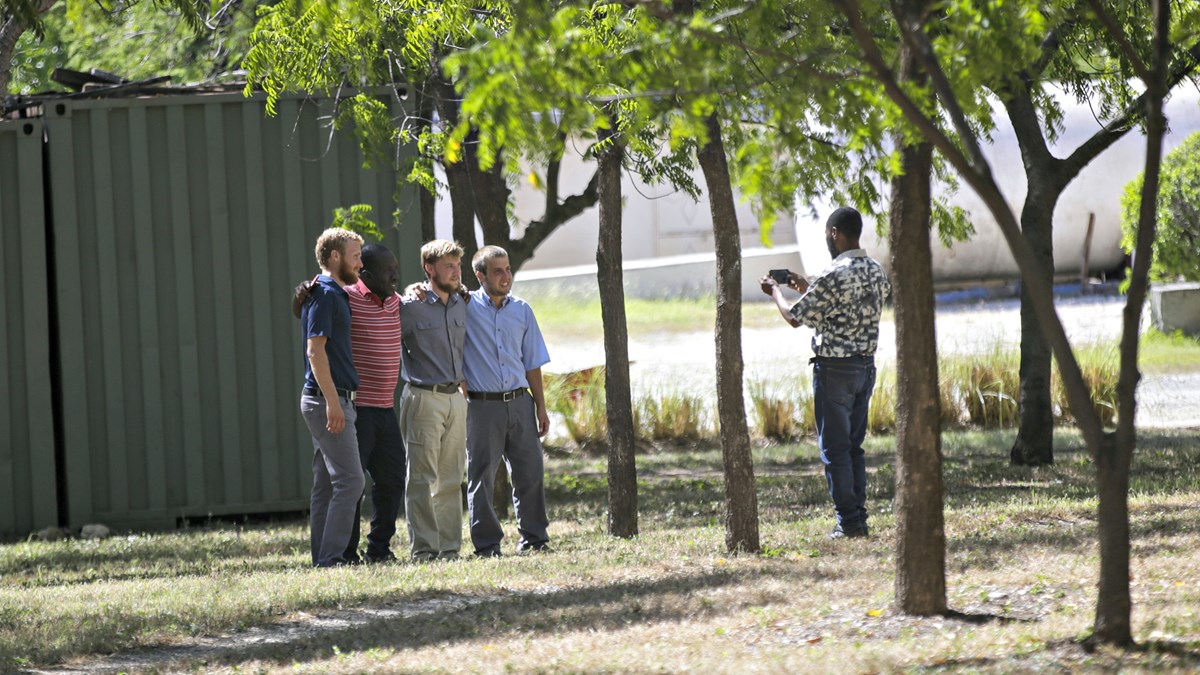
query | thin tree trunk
(920,524)
(1034,445)
(741,500)
(1113,602)
(622,470)
(1114,457)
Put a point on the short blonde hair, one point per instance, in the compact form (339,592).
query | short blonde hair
(334,239)
(437,249)
(480,260)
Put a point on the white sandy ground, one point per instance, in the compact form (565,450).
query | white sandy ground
(686,361)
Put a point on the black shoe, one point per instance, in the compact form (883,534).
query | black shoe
(851,532)
(448,555)
(380,559)
(339,562)
(542,547)
(488,553)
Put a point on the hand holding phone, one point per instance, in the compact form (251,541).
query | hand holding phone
(781,277)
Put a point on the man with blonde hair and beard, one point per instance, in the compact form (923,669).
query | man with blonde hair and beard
(327,401)
(433,410)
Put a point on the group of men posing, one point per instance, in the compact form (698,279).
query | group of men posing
(471,364)
(473,397)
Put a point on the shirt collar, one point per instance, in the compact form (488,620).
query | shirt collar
(330,282)
(481,296)
(361,289)
(852,253)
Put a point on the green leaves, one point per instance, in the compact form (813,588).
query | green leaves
(357,218)
(1177,247)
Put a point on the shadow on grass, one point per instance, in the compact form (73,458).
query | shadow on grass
(977,619)
(603,608)
(186,553)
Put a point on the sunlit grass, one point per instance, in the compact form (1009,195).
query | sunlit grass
(1159,352)
(1021,545)
(576,318)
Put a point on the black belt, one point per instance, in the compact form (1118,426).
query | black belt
(498,395)
(857,359)
(439,388)
(347,394)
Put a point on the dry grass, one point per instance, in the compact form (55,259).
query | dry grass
(1021,564)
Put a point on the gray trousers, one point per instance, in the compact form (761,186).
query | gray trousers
(337,480)
(496,431)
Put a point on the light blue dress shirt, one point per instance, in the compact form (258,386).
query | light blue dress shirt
(502,344)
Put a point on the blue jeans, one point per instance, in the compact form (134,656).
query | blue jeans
(841,395)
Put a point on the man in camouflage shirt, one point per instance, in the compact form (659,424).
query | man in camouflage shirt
(842,305)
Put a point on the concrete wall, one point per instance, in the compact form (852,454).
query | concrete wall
(1176,307)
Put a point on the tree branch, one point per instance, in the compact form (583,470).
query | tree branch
(537,230)
(1114,31)
(914,33)
(1182,68)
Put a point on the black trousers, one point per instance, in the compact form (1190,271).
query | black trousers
(381,450)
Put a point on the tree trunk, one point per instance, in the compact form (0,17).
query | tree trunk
(1115,456)
(1034,445)
(1113,603)
(741,500)
(920,525)
(622,470)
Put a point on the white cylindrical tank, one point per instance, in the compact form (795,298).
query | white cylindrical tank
(1096,190)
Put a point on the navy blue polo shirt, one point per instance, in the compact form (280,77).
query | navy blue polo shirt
(327,314)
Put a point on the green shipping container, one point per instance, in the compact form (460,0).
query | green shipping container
(180,226)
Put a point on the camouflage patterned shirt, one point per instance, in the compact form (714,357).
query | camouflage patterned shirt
(843,305)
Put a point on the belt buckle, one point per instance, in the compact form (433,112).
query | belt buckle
(509,396)
(350,395)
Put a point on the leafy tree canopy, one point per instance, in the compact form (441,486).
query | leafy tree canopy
(1177,248)
(134,40)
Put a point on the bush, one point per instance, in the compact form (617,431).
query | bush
(1178,237)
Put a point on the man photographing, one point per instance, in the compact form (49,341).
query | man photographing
(842,305)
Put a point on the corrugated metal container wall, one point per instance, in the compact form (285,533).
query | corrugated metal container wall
(28,493)
(182,225)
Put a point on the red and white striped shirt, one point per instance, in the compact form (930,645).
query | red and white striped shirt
(375,345)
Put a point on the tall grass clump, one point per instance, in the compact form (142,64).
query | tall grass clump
(672,416)
(783,412)
(950,406)
(1100,365)
(988,387)
(881,416)
(579,398)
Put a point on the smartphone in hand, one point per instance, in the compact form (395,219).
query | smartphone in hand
(781,277)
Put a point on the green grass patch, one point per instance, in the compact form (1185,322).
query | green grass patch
(575,318)
(1168,352)
(1021,548)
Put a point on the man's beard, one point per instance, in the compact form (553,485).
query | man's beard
(348,274)
(832,245)
(444,286)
